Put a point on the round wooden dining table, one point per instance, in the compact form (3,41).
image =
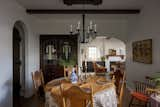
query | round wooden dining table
(104,94)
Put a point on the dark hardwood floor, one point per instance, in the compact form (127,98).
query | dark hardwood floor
(34,101)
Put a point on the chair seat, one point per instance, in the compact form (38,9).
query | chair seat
(140,96)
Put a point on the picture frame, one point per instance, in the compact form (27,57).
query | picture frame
(112,52)
(142,51)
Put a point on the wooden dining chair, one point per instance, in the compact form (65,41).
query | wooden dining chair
(150,80)
(140,93)
(38,83)
(117,78)
(98,69)
(66,71)
(77,97)
(122,88)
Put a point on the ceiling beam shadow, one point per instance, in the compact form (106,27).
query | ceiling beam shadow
(81,11)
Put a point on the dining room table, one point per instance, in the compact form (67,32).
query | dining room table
(104,92)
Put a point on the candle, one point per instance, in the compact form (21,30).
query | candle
(88,29)
(91,23)
(71,28)
(95,28)
(78,26)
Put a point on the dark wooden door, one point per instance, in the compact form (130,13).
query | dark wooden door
(16,62)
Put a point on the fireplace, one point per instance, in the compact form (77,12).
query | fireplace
(113,64)
(113,61)
(89,65)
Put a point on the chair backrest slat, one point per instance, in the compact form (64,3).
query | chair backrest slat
(38,79)
(150,80)
(142,86)
(77,97)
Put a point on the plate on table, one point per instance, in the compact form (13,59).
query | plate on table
(101,82)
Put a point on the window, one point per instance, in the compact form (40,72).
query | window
(93,53)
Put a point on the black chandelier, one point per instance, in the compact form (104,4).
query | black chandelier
(87,34)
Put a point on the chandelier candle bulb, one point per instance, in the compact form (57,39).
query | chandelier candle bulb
(71,28)
(86,34)
(95,28)
(88,29)
(91,24)
(79,24)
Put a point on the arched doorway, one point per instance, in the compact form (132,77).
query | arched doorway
(18,60)
(104,50)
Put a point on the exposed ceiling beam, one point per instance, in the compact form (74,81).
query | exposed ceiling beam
(93,2)
(79,11)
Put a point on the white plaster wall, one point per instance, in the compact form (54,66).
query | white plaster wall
(10,12)
(144,26)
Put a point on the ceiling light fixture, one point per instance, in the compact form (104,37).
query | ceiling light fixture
(88,34)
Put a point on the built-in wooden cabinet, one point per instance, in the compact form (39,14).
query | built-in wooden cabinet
(57,51)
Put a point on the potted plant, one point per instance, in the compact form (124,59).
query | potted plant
(103,58)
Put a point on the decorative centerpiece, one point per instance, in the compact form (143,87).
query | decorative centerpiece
(73,77)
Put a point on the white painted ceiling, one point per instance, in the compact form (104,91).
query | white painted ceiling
(58,4)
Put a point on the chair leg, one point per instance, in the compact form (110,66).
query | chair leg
(149,104)
(145,104)
(131,101)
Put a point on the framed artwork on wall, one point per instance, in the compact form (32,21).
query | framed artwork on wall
(112,52)
(142,51)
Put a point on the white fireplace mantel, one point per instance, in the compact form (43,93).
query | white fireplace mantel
(115,58)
